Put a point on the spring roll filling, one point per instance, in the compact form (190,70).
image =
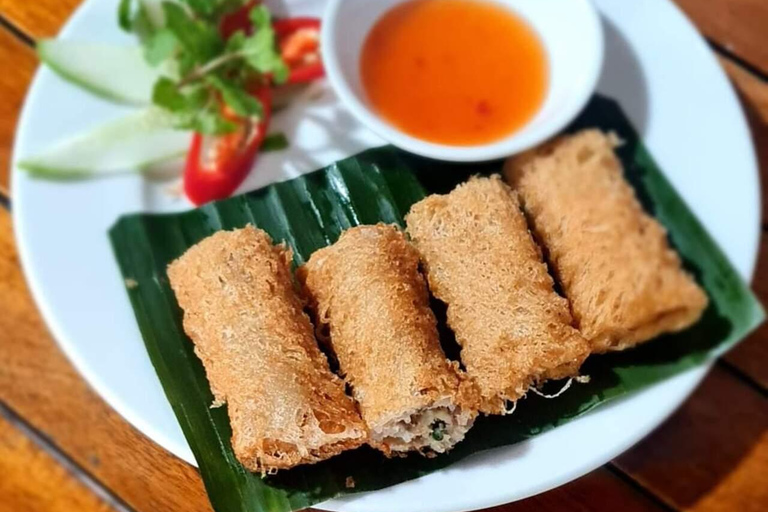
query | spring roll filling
(435,428)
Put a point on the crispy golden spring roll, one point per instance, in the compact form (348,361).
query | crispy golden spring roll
(514,330)
(246,319)
(623,281)
(374,304)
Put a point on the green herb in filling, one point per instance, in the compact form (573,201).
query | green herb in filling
(438,430)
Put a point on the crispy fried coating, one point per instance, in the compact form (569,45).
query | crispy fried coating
(625,284)
(514,330)
(246,319)
(370,296)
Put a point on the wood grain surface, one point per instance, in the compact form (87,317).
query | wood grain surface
(751,89)
(38,18)
(33,481)
(739,26)
(712,455)
(601,490)
(753,93)
(751,355)
(18,57)
(40,385)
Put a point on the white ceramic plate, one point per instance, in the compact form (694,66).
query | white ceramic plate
(656,65)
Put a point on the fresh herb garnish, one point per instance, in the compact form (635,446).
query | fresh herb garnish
(206,72)
(274,142)
(438,430)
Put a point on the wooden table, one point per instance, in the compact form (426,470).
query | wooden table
(62,448)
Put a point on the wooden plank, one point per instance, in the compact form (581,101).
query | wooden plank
(33,481)
(752,89)
(712,455)
(597,491)
(751,356)
(737,25)
(37,382)
(18,57)
(753,92)
(38,18)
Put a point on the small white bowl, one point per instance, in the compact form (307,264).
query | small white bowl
(570,31)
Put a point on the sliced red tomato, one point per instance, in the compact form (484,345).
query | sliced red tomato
(299,43)
(217,165)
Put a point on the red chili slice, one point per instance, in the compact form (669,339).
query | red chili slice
(286,26)
(237,20)
(299,43)
(217,165)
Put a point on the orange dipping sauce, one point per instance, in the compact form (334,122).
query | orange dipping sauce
(455,72)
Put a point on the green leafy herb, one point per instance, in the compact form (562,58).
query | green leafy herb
(200,41)
(438,430)
(242,103)
(207,71)
(274,142)
(165,94)
(142,17)
(159,46)
(258,49)
(202,7)
(212,10)
(124,14)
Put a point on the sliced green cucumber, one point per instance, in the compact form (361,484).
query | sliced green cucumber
(134,143)
(115,72)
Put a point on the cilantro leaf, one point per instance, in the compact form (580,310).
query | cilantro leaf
(210,121)
(142,17)
(274,142)
(260,49)
(159,46)
(236,42)
(200,40)
(201,7)
(242,103)
(165,94)
(213,9)
(209,78)
(125,15)
(260,17)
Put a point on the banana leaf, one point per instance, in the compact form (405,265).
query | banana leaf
(380,184)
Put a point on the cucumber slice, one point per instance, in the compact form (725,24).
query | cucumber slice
(134,143)
(114,72)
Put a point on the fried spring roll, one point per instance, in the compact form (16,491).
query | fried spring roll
(246,319)
(369,295)
(625,284)
(514,330)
